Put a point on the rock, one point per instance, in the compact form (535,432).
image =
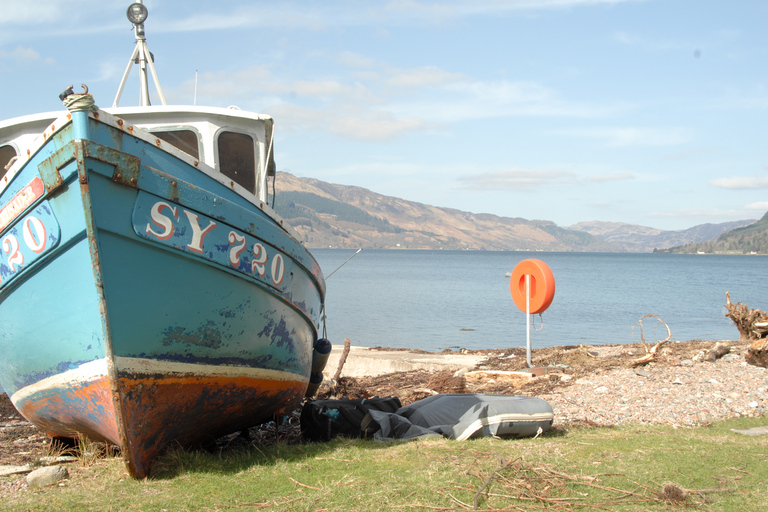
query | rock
(718,351)
(756,431)
(14,470)
(47,476)
(700,356)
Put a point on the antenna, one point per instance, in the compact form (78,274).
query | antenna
(137,14)
(194,101)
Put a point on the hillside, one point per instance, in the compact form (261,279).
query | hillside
(633,238)
(329,215)
(750,239)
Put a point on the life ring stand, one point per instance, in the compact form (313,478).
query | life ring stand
(542,283)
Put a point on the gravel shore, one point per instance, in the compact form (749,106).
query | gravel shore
(688,394)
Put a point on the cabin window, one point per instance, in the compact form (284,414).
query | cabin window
(185,140)
(7,153)
(237,159)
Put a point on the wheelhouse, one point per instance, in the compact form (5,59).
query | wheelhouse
(235,146)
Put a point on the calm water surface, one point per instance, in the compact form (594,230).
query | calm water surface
(434,300)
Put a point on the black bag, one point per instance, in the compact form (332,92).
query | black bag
(322,420)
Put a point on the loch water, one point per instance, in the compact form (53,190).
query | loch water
(433,300)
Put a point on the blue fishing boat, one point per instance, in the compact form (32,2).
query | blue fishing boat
(149,294)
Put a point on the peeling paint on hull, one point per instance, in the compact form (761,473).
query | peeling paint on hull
(77,401)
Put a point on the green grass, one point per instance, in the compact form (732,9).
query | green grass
(579,468)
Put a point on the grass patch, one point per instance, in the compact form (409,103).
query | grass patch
(634,467)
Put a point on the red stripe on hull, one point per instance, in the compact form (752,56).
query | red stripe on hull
(86,408)
(164,410)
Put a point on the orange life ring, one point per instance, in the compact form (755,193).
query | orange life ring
(542,285)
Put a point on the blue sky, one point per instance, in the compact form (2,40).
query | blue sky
(651,112)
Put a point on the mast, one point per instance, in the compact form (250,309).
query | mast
(137,14)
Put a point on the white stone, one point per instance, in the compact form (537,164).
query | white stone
(47,476)
(753,405)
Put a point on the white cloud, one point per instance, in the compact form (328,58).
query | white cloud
(354,60)
(700,214)
(655,45)
(449,9)
(24,12)
(518,179)
(424,76)
(349,122)
(758,208)
(22,54)
(617,176)
(741,182)
(633,136)
(473,99)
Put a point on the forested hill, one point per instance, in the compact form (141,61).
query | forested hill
(329,215)
(751,239)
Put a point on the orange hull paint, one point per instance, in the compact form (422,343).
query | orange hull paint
(87,409)
(160,411)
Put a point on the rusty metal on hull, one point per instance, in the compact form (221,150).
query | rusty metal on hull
(189,409)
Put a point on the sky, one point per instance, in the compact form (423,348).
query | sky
(648,112)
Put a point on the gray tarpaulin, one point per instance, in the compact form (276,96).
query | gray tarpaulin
(463,417)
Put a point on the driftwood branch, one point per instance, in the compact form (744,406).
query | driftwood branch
(342,359)
(753,328)
(650,354)
(751,323)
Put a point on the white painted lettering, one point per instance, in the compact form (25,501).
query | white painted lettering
(278,269)
(11,248)
(162,221)
(238,241)
(198,235)
(35,241)
(259,260)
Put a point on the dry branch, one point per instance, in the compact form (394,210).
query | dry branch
(539,487)
(342,359)
(650,354)
(753,328)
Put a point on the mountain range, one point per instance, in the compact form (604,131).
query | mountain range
(340,216)
(749,239)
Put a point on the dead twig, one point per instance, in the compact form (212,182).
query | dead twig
(488,482)
(304,485)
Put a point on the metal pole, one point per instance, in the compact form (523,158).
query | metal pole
(154,75)
(125,75)
(143,57)
(528,318)
(337,268)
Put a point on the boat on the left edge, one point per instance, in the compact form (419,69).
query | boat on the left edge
(149,295)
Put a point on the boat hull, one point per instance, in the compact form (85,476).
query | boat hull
(154,305)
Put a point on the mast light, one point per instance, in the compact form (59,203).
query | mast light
(137,13)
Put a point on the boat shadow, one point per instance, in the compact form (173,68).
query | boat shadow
(241,455)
